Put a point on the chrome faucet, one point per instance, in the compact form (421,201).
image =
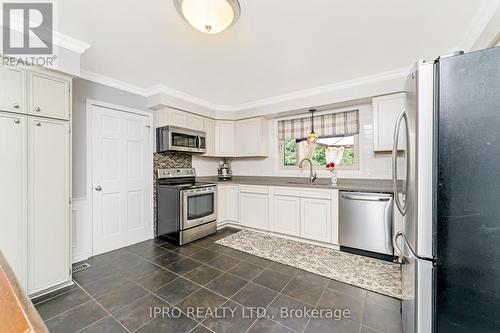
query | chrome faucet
(312,174)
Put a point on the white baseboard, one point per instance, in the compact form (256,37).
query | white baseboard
(81,257)
(231,224)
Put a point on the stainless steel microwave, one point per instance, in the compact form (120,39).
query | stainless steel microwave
(178,139)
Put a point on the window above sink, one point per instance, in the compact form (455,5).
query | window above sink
(338,141)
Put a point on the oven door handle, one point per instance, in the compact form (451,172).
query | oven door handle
(197,192)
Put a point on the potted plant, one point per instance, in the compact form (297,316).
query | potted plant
(331,167)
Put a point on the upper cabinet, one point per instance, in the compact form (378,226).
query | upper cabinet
(195,122)
(179,118)
(210,136)
(49,95)
(252,137)
(12,94)
(224,138)
(386,110)
(171,117)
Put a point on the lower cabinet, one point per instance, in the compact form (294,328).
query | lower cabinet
(300,212)
(48,214)
(227,203)
(254,207)
(315,219)
(286,215)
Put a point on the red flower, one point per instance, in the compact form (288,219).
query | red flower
(330,165)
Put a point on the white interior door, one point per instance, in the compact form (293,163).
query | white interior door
(121,178)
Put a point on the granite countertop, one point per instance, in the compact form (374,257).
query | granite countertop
(345,184)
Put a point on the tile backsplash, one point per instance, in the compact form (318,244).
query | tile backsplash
(171,160)
(167,161)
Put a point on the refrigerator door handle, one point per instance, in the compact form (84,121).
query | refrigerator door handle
(397,249)
(401,205)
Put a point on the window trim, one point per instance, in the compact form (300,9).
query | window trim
(353,167)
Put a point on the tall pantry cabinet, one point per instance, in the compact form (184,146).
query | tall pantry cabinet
(35,176)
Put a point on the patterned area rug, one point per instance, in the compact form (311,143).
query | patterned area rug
(376,275)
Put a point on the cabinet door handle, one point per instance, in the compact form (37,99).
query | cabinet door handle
(38,124)
(98,188)
(37,109)
(16,106)
(16,121)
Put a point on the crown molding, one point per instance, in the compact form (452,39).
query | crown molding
(70,43)
(161,89)
(113,83)
(162,93)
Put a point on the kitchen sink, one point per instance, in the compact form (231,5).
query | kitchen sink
(303,183)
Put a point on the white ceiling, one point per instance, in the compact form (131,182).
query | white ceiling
(277,47)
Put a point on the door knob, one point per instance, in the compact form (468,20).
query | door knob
(37,108)
(98,188)
(16,106)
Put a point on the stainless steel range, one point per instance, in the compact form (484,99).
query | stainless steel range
(187,209)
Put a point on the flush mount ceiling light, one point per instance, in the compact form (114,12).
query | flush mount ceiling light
(312,137)
(209,16)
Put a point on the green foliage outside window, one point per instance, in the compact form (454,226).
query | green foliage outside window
(348,158)
(290,153)
(319,155)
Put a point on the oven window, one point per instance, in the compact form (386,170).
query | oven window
(183,140)
(199,206)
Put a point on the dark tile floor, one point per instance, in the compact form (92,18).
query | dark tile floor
(119,291)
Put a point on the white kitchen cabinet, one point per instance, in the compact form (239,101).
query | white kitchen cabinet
(195,122)
(49,95)
(254,207)
(228,202)
(177,118)
(13,193)
(252,137)
(35,178)
(12,92)
(225,138)
(315,221)
(385,113)
(171,117)
(49,199)
(210,136)
(286,215)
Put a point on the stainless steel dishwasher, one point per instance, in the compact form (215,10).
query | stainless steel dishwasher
(366,224)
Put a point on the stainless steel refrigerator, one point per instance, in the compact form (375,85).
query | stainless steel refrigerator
(450,197)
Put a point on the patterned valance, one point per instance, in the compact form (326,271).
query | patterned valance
(326,125)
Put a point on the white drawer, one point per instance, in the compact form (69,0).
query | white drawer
(303,192)
(254,189)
